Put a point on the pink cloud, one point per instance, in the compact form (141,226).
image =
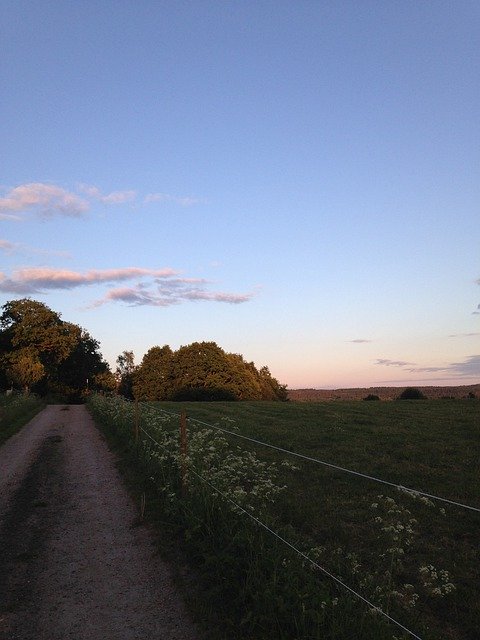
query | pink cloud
(38,279)
(46,199)
(167,289)
(169,293)
(134,296)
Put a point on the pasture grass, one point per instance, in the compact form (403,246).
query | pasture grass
(414,558)
(431,446)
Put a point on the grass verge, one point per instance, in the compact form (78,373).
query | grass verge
(15,411)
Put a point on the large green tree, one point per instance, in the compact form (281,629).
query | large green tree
(34,341)
(124,373)
(153,380)
(81,368)
(202,371)
(40,351)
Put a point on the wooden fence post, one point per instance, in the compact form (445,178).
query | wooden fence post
(136,422)
(183,452)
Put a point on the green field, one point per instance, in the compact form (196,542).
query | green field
(414,558)
(431,446)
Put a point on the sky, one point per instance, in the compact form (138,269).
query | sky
(297,181)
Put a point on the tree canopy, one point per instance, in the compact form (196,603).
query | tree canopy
(39,351)
(124,373)
(202,371)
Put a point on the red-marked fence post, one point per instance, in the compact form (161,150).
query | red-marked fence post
(183,452)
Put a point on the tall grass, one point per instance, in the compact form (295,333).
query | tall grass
(15,411)
(413,559)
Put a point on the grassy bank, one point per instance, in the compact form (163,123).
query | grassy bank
(15,411)
(414,558)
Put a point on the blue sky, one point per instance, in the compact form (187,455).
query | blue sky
(297,181)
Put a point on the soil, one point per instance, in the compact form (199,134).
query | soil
(73,562)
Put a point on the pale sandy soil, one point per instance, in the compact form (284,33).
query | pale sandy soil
(73,565)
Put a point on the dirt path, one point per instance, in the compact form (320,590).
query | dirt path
(72,563)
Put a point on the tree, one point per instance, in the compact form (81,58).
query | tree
(39,350)
(271,388)
(103,381)
(202,371)
(124,373)
(80,369)
(33,341)
(411,393)
(24,368)
(153,378)
(204,365)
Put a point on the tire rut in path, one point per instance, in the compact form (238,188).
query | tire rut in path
(72,565)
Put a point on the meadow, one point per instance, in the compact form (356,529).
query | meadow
(411,557)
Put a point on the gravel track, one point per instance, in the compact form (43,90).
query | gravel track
(73,565)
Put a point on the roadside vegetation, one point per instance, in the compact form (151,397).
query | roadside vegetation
(15,411)
(411,557)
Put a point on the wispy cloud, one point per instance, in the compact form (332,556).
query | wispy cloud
(464,335)
(359,341)
(183,201)
(469,368)
(393,363)
(9,216)
(170,292)
(115,197)
(154,287)
(6,246)
(41,279)
(45,199)
(17,247)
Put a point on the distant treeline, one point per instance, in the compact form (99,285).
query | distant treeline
(42,353)
(383,393)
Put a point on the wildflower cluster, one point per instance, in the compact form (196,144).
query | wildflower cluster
(236,473)
(239,475)
(436,582)
(396,523)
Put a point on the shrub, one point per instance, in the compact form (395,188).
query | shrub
(371,396)
(412,393)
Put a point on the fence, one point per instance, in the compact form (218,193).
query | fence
(187,472)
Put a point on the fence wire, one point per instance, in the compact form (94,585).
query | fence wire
(294,548)
(336,467)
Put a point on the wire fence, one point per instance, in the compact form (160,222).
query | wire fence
(338,581)
(330,465)
(304,556)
